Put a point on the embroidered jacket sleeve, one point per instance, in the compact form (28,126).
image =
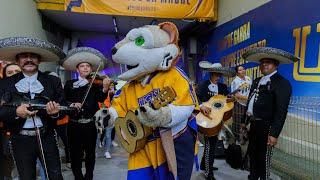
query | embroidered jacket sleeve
(100,95)
(282,93)
(58,96)
(7,114)
(202,92)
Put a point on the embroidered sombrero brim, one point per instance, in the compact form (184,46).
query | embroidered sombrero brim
(83,54)
(209,67)
(256,54)
(10,47)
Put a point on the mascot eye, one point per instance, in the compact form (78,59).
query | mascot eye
(139,41)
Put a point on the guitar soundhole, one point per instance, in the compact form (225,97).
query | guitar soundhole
(217,105)
(132,128)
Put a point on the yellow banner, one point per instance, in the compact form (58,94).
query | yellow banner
(178,9)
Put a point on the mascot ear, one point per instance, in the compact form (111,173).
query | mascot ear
(172,30)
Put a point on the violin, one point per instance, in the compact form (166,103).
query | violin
(99,79)
(38,103)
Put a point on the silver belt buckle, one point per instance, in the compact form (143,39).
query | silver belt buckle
(84,121)
(258,119)
(28,132)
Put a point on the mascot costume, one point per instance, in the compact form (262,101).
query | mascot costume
(150,54)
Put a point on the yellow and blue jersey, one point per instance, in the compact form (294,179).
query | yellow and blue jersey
(150,162)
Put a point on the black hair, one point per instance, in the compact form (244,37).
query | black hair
(237,68)
(47,72)
(219,74)
(4,74)
(17,56)
(275,62)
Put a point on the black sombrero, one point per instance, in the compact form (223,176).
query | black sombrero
(217,68)
(83,54)
(10,47)
(256,54)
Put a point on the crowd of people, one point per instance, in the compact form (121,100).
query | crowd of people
(16,137)
(29,130)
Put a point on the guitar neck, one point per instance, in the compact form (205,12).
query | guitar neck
(165,97)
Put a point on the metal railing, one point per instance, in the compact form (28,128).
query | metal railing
(297,154)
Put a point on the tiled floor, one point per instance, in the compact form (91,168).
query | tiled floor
(116,168)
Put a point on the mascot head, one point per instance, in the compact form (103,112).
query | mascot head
(147,49)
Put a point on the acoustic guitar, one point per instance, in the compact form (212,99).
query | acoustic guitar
(221,111)
(132,134)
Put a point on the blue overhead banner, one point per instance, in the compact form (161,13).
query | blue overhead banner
(291,25)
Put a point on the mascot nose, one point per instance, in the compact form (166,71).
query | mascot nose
(114,50)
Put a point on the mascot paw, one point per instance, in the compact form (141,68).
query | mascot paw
(171,52)
(103,119)
(154,118)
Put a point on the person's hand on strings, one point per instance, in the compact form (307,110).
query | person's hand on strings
(205,110)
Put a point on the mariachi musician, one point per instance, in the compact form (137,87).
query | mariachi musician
(32,131)
(207,89)
(267,107)
(84,95)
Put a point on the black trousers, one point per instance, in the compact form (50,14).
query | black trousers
(26,151)
(62,133)
(257,148)
(82,140)
(7,162)
(208,155)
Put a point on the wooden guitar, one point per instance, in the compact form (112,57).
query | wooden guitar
(132,134)
(221,111)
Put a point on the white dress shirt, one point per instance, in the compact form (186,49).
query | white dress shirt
(213,88)
(237,82)
(30,84)
(263,81)
(80,83)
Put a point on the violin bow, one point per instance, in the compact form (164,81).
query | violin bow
(90,85)
(40,147)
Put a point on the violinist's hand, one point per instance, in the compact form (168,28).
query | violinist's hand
(205,110)
(52,107)
(106,83)
(76,105)
(23,112)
